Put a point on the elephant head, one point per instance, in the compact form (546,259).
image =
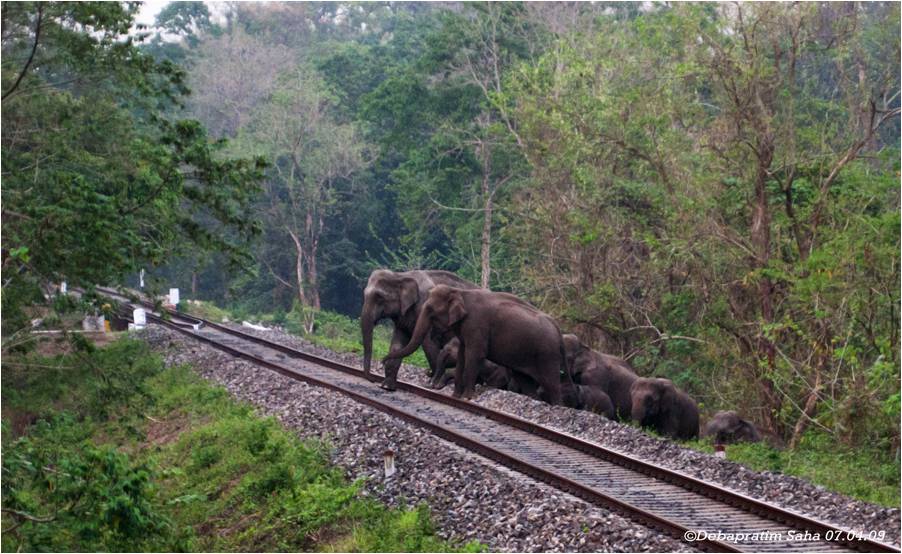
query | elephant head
(387,295)
(729,427)
(657,403)
(652,399)
(444,308)
(448,354)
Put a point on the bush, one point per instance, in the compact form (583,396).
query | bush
(67,492)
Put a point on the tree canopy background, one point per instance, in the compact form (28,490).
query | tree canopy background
(710,191)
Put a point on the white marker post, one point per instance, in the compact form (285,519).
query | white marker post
(174,296)
(63,288)
(141,278)
(389,458)
(140,317)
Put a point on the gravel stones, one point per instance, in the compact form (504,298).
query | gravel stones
(789,492)
(471,498)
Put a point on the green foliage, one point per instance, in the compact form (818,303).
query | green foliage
(869,473)
(97,180)
(99,499)
(175,465)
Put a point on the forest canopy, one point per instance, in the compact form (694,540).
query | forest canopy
(710,191)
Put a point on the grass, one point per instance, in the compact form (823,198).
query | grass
(866,473)
(113,451)
(206,310)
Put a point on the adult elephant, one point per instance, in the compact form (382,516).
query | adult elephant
(399,296)
(608,373)
(728,427)
(497,327)
(659,404)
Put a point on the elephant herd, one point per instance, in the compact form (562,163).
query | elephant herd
(502,341)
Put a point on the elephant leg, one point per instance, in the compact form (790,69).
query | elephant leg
(668,425)
(398,340)
(550,381)
(432,349)
(475,364)
(441,376)
(443,382)
(460,370)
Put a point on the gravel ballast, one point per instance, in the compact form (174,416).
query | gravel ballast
(783,490)
(471,498)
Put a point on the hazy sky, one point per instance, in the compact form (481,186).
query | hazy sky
(149,10)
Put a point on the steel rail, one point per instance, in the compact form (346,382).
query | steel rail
(715,492)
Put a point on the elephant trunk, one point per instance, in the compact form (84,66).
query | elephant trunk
(638,412)
(368,317)
(442,361)
(419,334)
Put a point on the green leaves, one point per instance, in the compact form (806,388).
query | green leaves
(97,181)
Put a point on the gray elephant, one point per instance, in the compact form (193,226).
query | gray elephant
(659,404)
(591,399)
(400,297)
(608,373)
(727,428)
(494,375)
(497,327)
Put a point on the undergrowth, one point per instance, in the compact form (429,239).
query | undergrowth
(109,450)
(868,474)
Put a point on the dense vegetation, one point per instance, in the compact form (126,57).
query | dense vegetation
(708,190)
(108,450)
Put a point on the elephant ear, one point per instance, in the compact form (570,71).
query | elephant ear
(410,293)
(669,397)
(456,309)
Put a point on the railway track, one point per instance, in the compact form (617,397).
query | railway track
(707,516)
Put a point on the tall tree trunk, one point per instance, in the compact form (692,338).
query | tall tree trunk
(313,230)
(486,238)
(313,278)
(486,219)
(299,267)
(761,239)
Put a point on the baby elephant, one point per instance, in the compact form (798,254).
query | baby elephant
(492,375)
(728,427)
(658,404)
(593,399)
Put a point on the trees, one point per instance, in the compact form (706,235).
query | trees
(96,182)
(683,162)
(706,189)
(783,77)
(231,75)
(312,156)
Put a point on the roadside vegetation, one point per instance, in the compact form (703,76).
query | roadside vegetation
(106,449)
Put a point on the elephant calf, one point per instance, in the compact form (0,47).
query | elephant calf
(608,373)
(593,399)
(659,404)
(728,428)
(492,375)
